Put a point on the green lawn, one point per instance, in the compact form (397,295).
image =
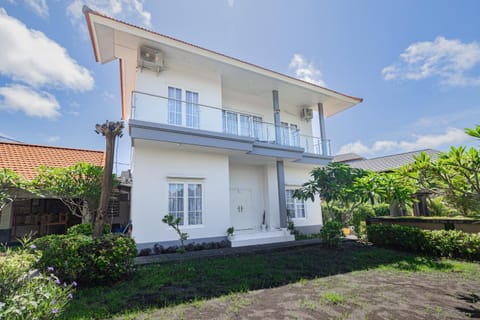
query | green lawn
(170,284)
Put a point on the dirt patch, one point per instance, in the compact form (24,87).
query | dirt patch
(358,295)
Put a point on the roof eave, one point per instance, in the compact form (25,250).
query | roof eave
(215,56)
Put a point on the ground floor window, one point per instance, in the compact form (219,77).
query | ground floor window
(295,207)
(185,202)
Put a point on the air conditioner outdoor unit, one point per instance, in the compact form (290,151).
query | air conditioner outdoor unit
(151,59)
(306,114)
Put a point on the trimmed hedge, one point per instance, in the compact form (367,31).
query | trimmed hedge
(440,243)
(81,258)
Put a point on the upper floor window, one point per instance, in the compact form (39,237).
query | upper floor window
(295,207)
(289,134)
(176,109)
(174,106)
(242,124)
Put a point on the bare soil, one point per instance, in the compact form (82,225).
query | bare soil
(373,294)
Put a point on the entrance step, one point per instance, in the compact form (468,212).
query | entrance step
(254,238)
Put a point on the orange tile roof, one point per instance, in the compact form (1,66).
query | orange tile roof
(24,159)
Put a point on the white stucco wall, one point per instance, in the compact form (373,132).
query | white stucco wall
(295,176)
(155,167)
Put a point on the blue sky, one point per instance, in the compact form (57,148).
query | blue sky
(415,63)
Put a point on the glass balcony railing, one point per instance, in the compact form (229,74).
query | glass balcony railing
(190,114)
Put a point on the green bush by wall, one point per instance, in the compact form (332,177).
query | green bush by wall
(440,243)
(87,260)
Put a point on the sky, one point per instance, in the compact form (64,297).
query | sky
(416,64)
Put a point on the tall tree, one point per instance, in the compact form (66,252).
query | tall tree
(77,186)
(110,130)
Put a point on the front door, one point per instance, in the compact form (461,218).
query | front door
(241,209)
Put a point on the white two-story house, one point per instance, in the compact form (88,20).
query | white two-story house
(216,141)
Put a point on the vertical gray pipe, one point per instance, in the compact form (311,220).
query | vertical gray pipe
(282,203)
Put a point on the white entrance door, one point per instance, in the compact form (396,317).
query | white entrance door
(241,211)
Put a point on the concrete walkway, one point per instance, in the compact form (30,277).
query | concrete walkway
(190,255)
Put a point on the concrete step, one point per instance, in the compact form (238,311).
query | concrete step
(255,238)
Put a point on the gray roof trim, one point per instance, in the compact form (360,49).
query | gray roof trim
(167,133)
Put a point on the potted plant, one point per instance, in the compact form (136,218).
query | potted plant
(230,233)
(263,227)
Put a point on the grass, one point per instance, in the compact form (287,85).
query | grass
(195,281)
(333,298)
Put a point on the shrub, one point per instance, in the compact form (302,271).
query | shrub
(87,260)
(441,243)
(333,213)
(358,218)
(331,233)
(86,229)
(381,210)
(25,293)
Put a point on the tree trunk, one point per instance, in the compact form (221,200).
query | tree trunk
(106,185)
(395,209)
(110,130)
(86,215)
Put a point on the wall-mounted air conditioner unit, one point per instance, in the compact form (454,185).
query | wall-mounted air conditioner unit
(150,58)
(306,114)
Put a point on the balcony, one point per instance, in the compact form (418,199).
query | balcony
(194,116)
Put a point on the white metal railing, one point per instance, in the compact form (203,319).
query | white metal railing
(158,109)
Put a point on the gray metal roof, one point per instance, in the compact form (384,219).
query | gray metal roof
(346,157)
(388,163)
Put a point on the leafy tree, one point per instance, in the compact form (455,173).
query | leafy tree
(77,186)
(9,181)
(333,183)
(473,132)
(455,176)
(394,189)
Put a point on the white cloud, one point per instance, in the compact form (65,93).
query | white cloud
(305,70)
(73,113)
(108,95)
(449,60)
(29,56)
(120,9)
(33,103)
(38,6)
(452,136)
(231,3)
(53,139)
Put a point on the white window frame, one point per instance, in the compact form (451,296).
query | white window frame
(187,119)
(296,203)
(185,183)
(252,127)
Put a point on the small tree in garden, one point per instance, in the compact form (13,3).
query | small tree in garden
(455,176)
(77,186)
(395,190)
(110,130)
(333,184)
(9,181)
(173,222)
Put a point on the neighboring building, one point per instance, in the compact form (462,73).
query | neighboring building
(385,163)
(31,213)
(216,141)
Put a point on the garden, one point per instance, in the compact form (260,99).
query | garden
(408,272)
